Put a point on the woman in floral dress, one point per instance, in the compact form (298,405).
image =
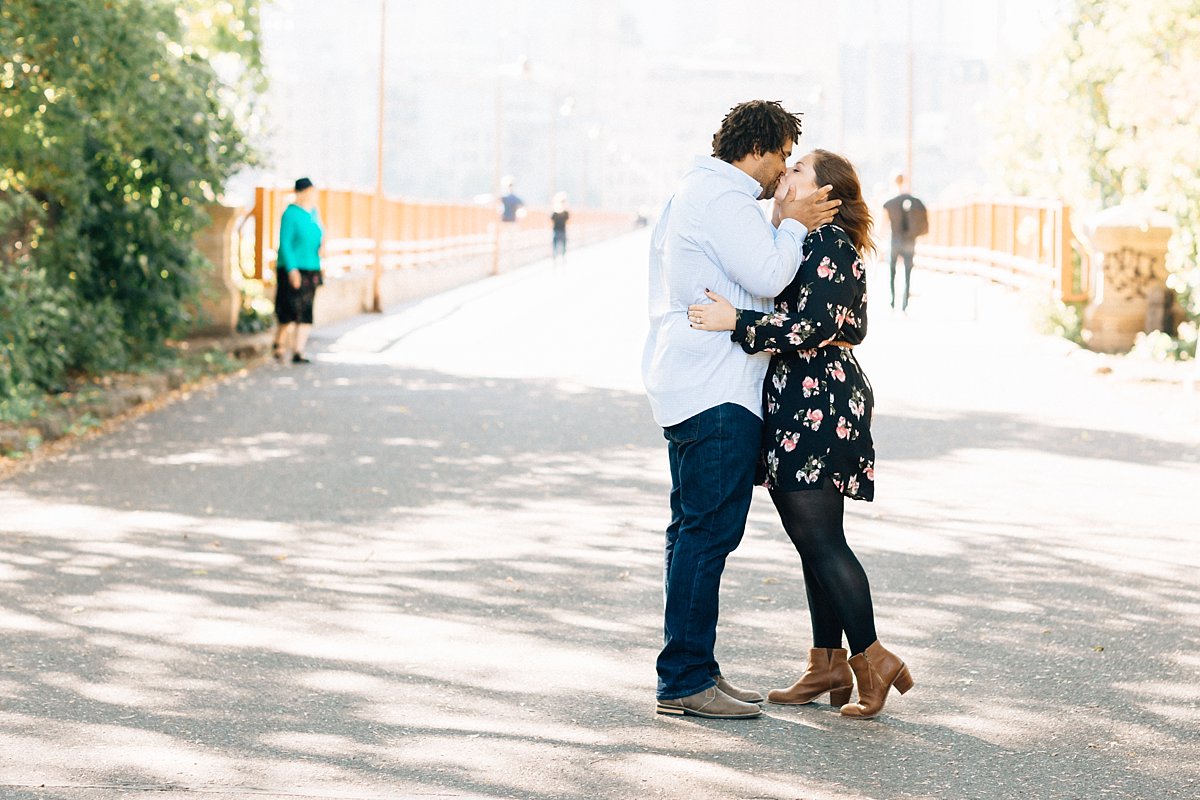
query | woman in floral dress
(817,447)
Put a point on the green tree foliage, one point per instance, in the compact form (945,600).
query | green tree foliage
(1110,109)
(120,120)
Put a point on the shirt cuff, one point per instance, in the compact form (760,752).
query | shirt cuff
(795,227)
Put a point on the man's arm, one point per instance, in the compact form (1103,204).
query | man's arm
(756,256)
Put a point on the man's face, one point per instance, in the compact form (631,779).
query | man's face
(771,169)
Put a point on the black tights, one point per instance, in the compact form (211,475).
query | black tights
(839,597)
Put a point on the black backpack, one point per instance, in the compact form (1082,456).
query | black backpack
(914,219)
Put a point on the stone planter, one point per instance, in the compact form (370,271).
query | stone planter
(220,295)
(1129,250)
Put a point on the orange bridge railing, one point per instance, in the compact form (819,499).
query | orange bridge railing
(418,233)
(1023,243)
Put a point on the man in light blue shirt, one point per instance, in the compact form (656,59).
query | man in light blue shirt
(705,392)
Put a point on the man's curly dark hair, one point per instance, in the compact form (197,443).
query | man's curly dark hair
(756,126)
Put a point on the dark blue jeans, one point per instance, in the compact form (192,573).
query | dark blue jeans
(712,456)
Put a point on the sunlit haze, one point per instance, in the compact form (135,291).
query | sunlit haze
(609,101)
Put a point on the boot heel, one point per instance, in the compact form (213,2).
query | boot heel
(839,697)
(903,681)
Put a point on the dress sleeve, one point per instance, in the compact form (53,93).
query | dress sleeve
(825,302)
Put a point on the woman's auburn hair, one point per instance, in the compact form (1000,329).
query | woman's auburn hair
(853,215)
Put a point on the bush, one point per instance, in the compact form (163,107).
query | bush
(1063,319)
(115,133)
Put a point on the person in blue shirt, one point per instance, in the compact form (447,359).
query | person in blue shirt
(298,272)
(705,391)
(510,205)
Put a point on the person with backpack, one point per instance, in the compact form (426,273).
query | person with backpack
(908,219)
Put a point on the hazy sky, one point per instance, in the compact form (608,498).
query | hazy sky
(445,60)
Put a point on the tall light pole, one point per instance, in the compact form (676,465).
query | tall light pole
(497,154)
(377,223)
(558,110)
(497,163)
(908,146)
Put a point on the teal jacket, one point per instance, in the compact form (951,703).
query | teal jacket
(300,235)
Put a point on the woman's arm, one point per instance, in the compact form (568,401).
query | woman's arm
(830,296)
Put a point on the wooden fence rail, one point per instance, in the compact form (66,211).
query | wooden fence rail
(417,233)
(1023,243)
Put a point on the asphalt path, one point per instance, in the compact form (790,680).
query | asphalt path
(429,565)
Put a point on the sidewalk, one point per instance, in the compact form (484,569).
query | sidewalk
(429,565)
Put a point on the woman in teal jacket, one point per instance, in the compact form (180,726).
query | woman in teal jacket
(298,272)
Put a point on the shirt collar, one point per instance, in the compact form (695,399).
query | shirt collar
(731,172)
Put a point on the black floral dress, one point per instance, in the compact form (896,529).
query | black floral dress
(816,400)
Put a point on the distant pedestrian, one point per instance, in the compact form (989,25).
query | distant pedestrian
(908,219)
(816,446)
(298,272)
(512,207)
(559,219)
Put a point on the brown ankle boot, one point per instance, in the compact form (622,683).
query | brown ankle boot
(827,671)
(876,671)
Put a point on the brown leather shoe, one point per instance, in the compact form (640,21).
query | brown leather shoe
(827,671)
(876,670)
(712,703)
(745,695)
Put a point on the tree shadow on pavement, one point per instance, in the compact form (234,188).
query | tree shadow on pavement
(381,583)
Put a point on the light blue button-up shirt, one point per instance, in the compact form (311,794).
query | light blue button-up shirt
(712,235)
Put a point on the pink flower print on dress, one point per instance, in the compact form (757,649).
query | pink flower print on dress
(811,471)
(789,442)
(811,386)
(836,371)
(780,377)
(852,485)
(802,299)
(843,428)
(870,472)
(856,268)
(825,269)
(858,404)
(813,418)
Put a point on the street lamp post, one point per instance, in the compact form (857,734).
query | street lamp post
(558,110)
(498,152)
(908,146)
(377,221)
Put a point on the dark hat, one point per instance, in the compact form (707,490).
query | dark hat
(302,184)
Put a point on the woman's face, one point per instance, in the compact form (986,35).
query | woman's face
(801,175)
(307,198)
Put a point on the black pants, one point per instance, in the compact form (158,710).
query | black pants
(905,253)
(296,305)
